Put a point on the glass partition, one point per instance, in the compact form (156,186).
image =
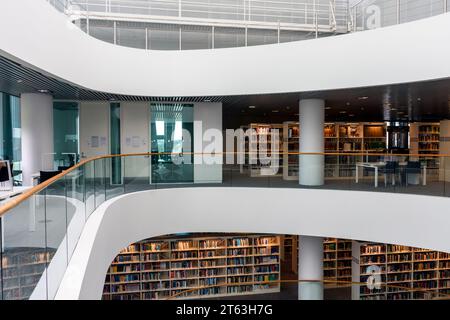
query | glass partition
(66,134)
(24,250)
(171,132)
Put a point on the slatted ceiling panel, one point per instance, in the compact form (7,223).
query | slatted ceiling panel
(17,79)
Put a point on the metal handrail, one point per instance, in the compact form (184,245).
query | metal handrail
(36,189)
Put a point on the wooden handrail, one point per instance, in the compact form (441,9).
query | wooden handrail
(36,189)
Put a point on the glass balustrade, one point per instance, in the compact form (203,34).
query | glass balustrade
(40,229)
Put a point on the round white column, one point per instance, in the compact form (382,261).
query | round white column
(312,118)
(37,134)
(310,267)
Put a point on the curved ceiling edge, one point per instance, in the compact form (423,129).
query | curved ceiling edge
(400,220)
(35,34)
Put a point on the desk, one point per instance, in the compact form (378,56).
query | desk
(377,165)
(371,165)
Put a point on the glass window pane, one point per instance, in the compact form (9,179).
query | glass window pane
(56,207)
(163,37)
(75,207)
(229,37)
(196,37)
(131,34)
(171,135)
(24,257)
(102,30)
(65,134)
(116,168)
(257,37)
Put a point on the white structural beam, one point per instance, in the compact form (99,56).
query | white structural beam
(389,55)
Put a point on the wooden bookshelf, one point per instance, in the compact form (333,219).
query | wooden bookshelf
(404,271)
(160,269)
(338,137)
(337,261)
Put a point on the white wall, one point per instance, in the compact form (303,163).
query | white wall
(207,119)
(397,219)
(37,134)
(94,122)
(135,137)
(390,55)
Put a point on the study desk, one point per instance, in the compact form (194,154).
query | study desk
(377,165)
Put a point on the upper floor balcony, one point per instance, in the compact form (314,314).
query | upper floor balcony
(200,24)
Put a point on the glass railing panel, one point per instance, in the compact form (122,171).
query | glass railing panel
(1,260)
(24,252)
(137,173)
(89,188)
(114,177)
(76,215)
(99,181)
(56,208)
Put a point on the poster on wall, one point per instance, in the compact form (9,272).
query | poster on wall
(94,142)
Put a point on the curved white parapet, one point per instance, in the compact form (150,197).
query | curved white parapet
(35,34)
(379,217)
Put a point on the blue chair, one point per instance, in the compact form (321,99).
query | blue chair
(390,169)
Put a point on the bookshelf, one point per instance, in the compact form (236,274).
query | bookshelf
(291,144)
(405,271)
(181,268)
(337,261)
(338,137)
(264,133)
(21,270)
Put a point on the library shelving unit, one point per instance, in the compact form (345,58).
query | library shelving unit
(264,133)
(429,136)
(405,271)
(186,268)
(339,138)
(291,144)
(21,270)
(290,252)
(337,261)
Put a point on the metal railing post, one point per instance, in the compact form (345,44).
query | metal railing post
(278,34)
(115,31)
(398,11)
(317,25)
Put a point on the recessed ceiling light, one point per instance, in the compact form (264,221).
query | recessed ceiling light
(327,108)
(19,81)
(43,90)
(348,103)
(207,100)
(363,98)
(343,112)
(275,111)
(287,108)
(419,99)
(351,115)
(251,107)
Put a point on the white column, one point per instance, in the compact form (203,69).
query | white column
(310,267)
(356,270)
(37,134)
(208,142)
(312,118)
